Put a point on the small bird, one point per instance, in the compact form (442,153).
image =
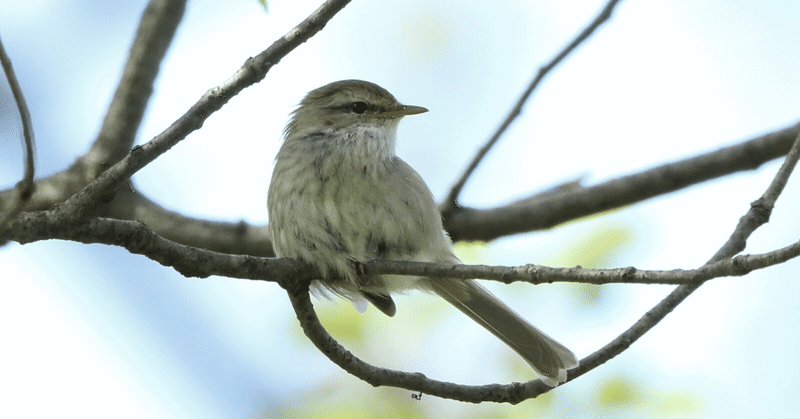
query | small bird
(340,196)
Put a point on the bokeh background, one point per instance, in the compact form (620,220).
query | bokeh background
(94,331)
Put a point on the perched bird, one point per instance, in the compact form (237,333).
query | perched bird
(339,195)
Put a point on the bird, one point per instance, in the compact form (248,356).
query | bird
(340,196)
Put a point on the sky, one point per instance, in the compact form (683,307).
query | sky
(97,331)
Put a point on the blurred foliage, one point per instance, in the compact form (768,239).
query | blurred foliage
(617,392)
(620,394)
(600,248)
(342,321)
(334,401)
(472,253)
(339,395)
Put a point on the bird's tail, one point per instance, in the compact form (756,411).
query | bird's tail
(548,358)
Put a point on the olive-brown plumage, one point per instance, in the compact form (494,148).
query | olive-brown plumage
(339,195)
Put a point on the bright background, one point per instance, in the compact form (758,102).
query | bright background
(97,332)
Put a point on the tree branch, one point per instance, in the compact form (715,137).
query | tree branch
(253,71)
(72,220)
(154,35)
(757,215)
(295,277)
(538,274)
(63,186)
(156,30)
(232,238)
(24,188)
(542,212)
(301,302)
(514,393)
(139,238)
(450,203)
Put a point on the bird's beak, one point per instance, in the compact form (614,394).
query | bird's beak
(401,111)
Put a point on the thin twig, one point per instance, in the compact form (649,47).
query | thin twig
(450,202)
(139,238)
(156,30)
(541,211)
(155,33)
(544,212)
(537,274)
(25,187)
(298,293)
(253,71)
(757,215)
(301,302)
(234,238)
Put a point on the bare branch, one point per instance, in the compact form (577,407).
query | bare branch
(156,31)
(154,35)
(541,211)
(139,239)
(761,209)
(757,215)
(232,238)
(63,185)
(510,393)
(157,240)
(253,71)
(24,188)
(450,203)
(537,274)
(546,211)
(294,276)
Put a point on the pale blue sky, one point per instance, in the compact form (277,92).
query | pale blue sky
(95,330)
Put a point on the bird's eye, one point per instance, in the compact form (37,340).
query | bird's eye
(358,107)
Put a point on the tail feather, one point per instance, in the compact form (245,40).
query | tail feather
(548,358)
